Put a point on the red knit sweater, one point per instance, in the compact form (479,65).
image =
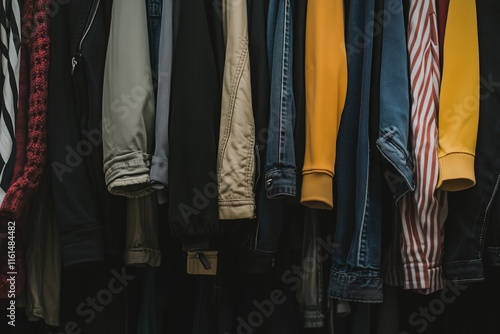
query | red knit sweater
(34,13)
(30,156)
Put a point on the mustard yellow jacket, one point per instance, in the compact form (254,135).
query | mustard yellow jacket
(326,89)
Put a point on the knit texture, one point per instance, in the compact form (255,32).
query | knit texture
(30,164)
(22,115)
(38,42)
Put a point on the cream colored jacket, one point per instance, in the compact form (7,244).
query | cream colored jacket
(236,157)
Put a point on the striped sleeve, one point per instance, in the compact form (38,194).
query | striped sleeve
(10,44)
(424,211)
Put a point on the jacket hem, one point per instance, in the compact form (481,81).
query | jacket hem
(128,176)
(280,183)
(132,187)
(82,246)
(142,256)
(363,286)
(237,209)
(159,173)
(464,271)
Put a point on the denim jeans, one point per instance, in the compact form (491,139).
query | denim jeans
(355,274)
(280,158)
(472,233)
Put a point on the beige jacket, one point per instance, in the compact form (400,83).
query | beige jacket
(236,158)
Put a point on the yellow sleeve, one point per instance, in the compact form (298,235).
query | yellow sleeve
(326,89)
(459,100)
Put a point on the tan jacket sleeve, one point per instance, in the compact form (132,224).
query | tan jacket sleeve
(236,158)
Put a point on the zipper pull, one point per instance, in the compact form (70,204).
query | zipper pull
(204,261)
(74,62)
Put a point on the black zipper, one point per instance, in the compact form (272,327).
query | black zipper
(204,261)
(90,20)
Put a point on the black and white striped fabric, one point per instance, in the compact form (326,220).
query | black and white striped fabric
(10,43)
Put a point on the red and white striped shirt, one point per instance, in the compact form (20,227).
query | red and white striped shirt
(424,211)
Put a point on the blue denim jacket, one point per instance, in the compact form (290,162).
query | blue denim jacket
(355,274)
(395,102)
(280,153)
(280,158)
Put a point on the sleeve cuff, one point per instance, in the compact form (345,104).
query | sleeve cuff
(456,172)
(317,190)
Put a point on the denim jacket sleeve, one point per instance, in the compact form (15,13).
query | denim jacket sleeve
(395,103)
(280,177)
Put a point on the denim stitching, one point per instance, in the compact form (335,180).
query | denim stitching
(282,99)
(388,137)
(367,167)
(409,183)
(463,261)
(481,242)
(154,8)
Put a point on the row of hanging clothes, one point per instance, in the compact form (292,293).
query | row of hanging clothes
(259,166)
